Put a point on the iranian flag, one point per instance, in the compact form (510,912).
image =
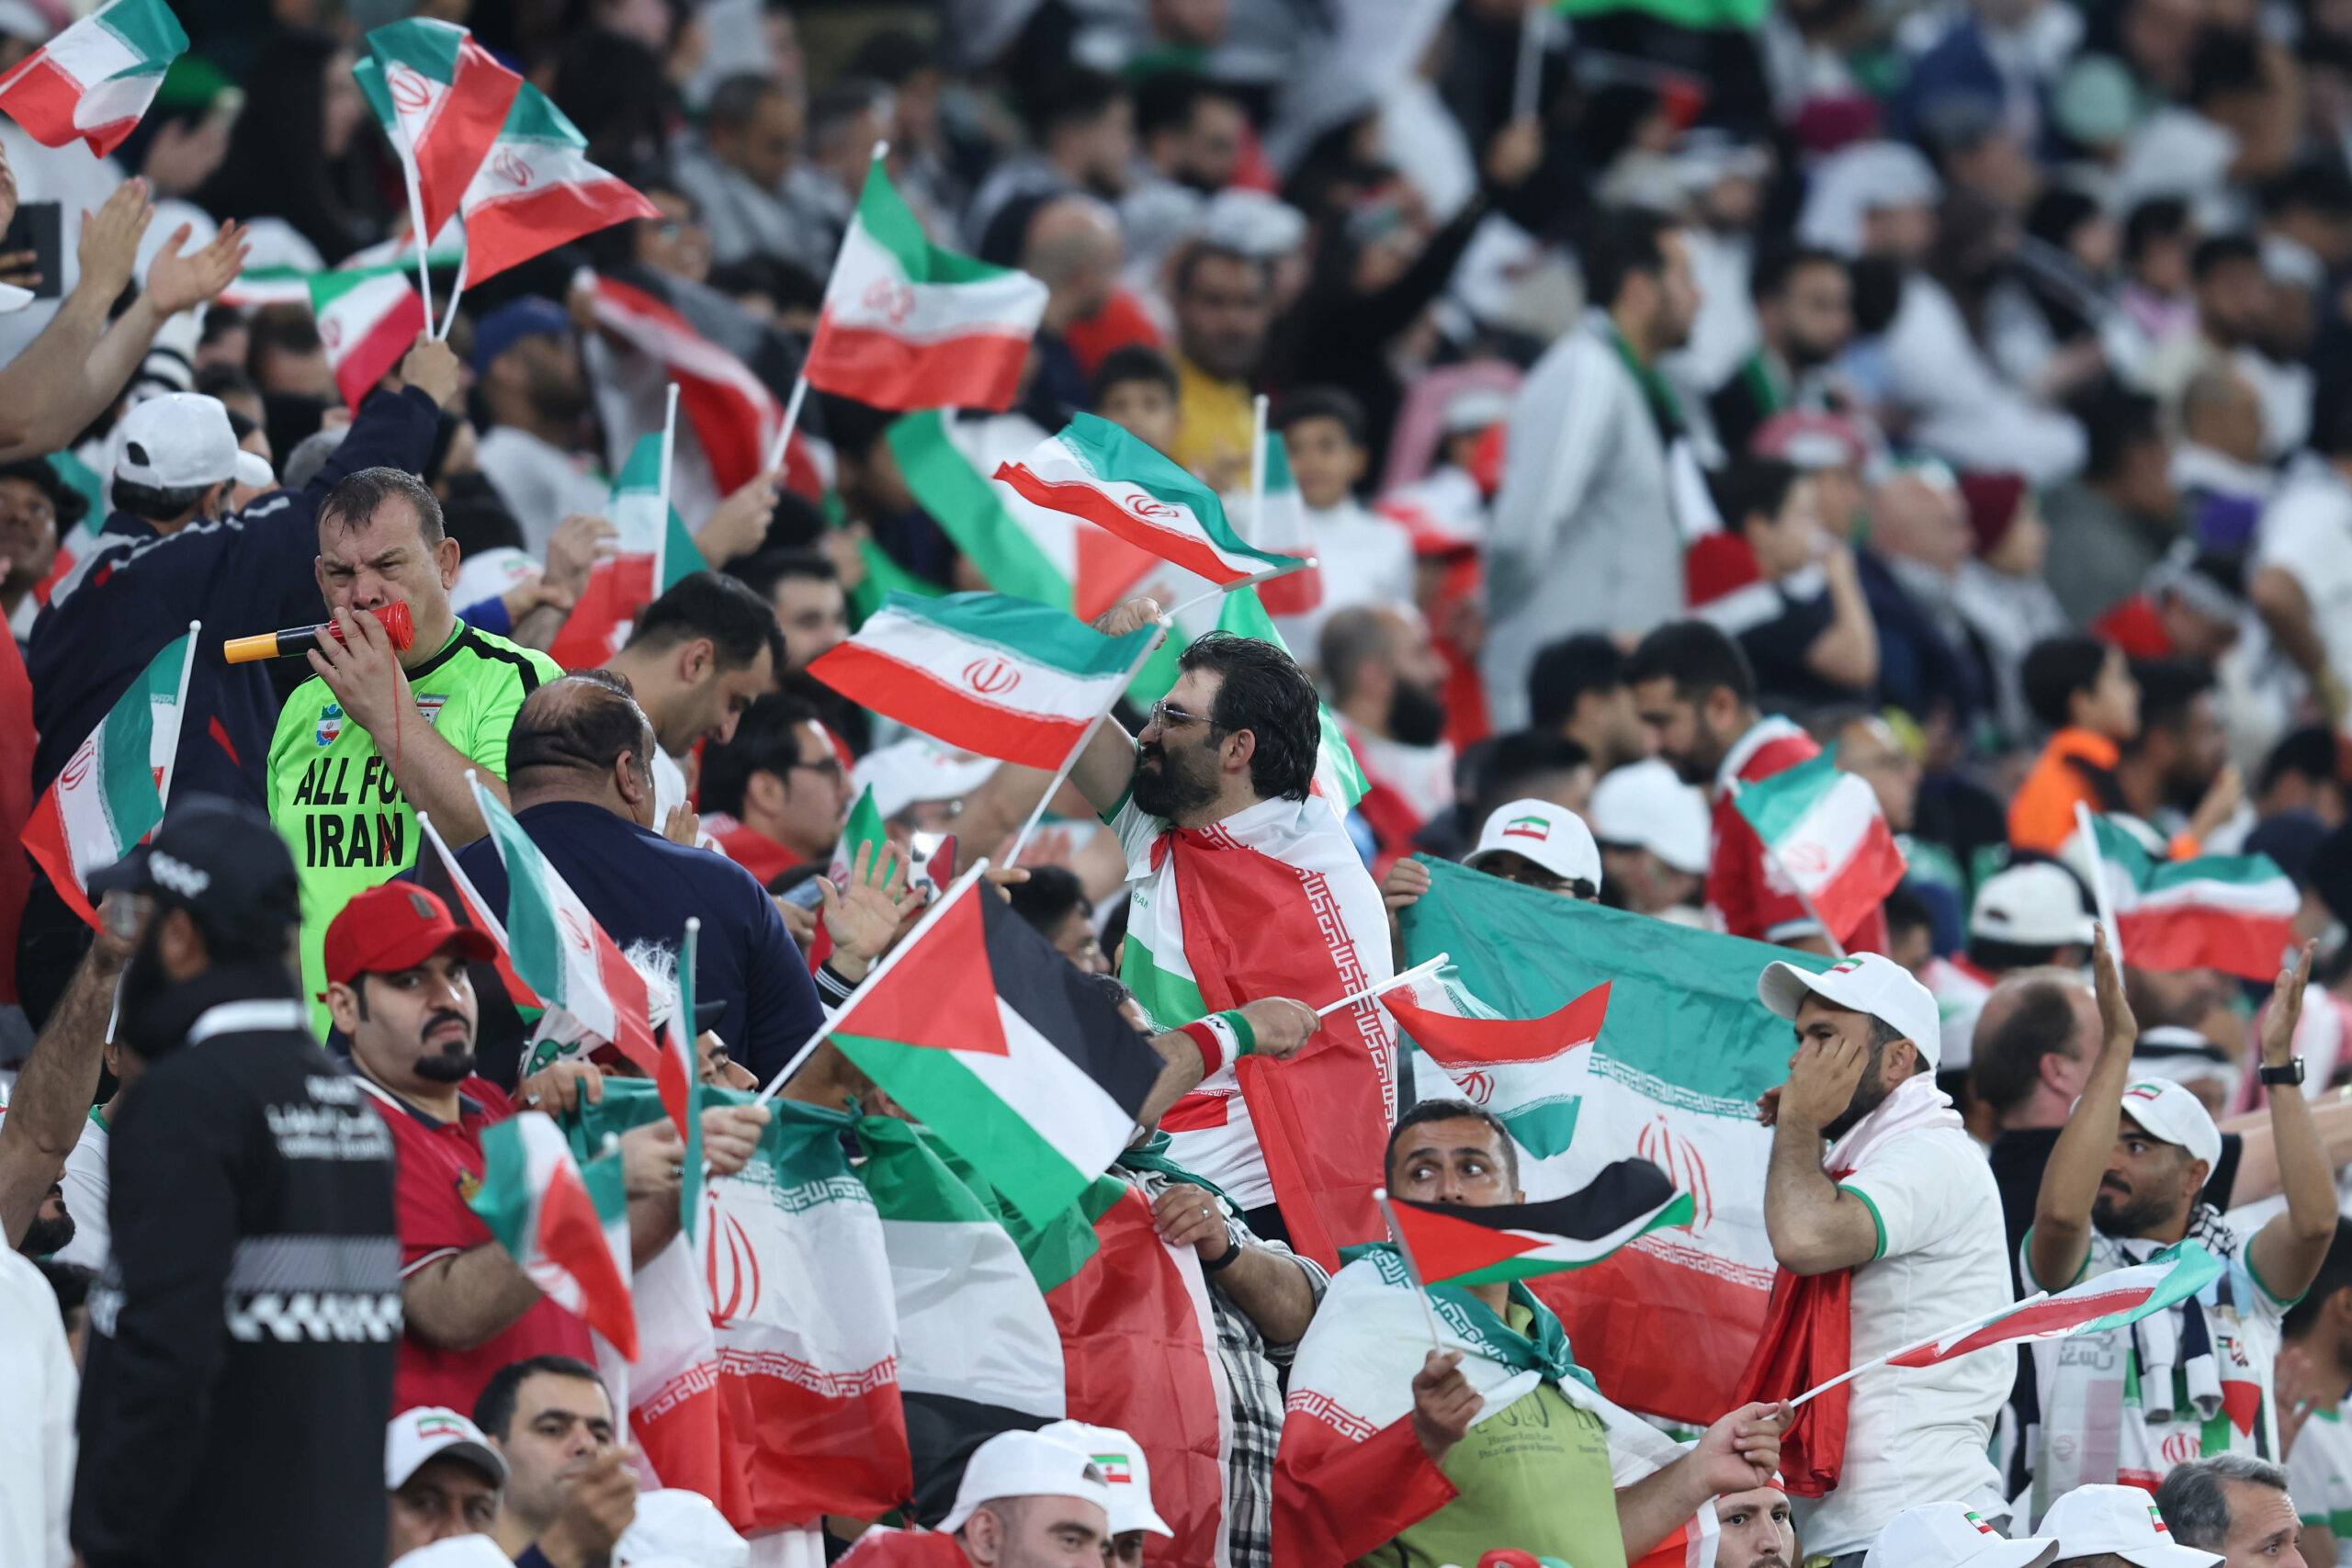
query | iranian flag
(2235,913)
(907,325)
(368,318)
(94,79)
(1099,473)
(113,789)
(1682,1053)
(448,101)
(1021,548)
(1280,525)
(562,953)
(1514,1063)
(1825,831)
(1465,1246)
(537,190)
(565,1223)
(1020,1065)
(652,552)
(734,415)
(2113,1300)
(989,674)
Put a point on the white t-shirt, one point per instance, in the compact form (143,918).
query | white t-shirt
(541,484)
(84,1180)
(1365,559)
(38,1389)
(1919,1435)
(2319,1478)
(2307,533)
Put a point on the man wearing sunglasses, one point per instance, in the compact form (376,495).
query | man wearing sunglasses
(1246,887)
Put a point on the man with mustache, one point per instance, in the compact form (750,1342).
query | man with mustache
(398,991)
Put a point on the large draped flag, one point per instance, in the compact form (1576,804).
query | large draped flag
(2235,913)
(735,417)
(1001,676)
(1466,1246)
(444,99)
(565,1221)
(1672,1076)
(907,325)
(652,552)
(113,789)
(1098,472)
(368,317)
(1825,830)
(95,79)
(537,190)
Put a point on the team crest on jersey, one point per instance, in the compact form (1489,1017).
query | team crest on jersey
(431,708)
(330,723)
(467,1184)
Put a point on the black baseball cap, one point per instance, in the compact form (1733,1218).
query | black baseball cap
(218,856)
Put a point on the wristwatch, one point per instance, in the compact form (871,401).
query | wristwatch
(2291,1073)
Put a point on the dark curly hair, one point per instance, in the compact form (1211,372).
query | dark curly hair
(1264,691)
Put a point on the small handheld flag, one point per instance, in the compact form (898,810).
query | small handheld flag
(1455,1242)
(95,79)
(566,1224)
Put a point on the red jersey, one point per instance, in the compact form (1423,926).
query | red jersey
(1748,895)
(750,848)
(440,1165)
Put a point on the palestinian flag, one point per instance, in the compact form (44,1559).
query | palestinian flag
(2235,913)
(985,671)
(113,789)
(1099,473)
(368,320)
(446,101)
(537,190)
(735,417)
(1021,548)
(1825,831)
(907,325)
(1511,1063)
(652,553)
(566,1222)
(1521,1241)
(1683,1052)
(1280,525)
(95,79)
(1016,1061)
(2113,1299)
(561,951)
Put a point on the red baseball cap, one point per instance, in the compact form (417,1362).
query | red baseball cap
(393,927)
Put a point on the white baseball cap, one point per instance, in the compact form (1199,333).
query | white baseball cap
(182,441)
(1947,1535)
(1025,1464)
(456,1551)
(1552,836)
(2185,1056)
(1646,805)
(2039,905)
(2124,1520)
(676,1526)
(430,1431)
(2171,1114)
(1125,1470)
(1868,982)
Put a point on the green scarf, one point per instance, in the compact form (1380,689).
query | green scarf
(1766,387)
(1473,1321)
(1152,1154)
(1665,408)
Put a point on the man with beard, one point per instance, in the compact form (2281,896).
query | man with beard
(398,990)
(1589,522)
(2176,773)
(534,390)
(1223,304)
(1902,1204)
(1693,687)
(1387,687)
(1804,315)
(701,655)
(2124,1183)
(243,1339)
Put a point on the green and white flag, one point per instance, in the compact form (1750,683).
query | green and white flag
(113,789)
(565,1223)
(368,318)
(443,100)
(95,79)
(2235,913)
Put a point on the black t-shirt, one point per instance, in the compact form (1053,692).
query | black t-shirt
(1776,625)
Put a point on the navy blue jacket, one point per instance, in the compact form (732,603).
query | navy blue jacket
(248,573)
(641,888)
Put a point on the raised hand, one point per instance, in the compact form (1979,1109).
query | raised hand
(110,237)
(2286,1009)
(177,282)
(2119,1030)
(1444,1404)
(431,367)
(864,916)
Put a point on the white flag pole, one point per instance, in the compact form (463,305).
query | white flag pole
(800,382)
(1971,1326)
(956,890)
(1301,564)
(450,319)
(492,921)
(2100,898)
(1527,82)
(416,219)
(179,715)
(1258,471)
(669,453)
(1428,966)
(1412,1269)
(1037,813)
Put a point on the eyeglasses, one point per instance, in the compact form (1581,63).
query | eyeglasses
(1164,714)
(829,770)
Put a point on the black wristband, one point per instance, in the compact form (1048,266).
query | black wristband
(1232,1250)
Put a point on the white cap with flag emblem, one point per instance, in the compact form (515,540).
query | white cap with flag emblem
(1128,1473)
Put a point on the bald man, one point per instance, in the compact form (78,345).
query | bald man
(1388,688)
(1071,245)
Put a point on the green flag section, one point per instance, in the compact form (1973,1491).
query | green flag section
(443,101)
(1280,525)
(95,79)
(112,790)
(652,552)
(565,1223)
(1673,1076)
(1464,1245)
(368,318)
(1100,474)
(1693,14)
(906,324)
(2235,913)
(1016,1061)
(2114,1299)
(985,671)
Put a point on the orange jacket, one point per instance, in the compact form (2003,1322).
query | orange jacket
(2077,765)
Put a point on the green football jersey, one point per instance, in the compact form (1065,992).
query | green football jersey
(331,788)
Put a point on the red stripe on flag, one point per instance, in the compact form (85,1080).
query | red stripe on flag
(571,1235)
(1497,1041)
(981,371)
(1878,864)
(918,698)
(952,1007)
(460,134)
(2050,1317)
(1079,499)
(797,1441)
(510,230)
(366,361)
(626,986)
(42,98)
(616,589)
(2199,936)
(45,840)
(1444,1248)
(1667,1337)
(734,415)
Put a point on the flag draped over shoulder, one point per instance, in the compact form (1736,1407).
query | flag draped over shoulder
(2235,913)
(1673,1076)
(95,79)
(652,552)
(113,789)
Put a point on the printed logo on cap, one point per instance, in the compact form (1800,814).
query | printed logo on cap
(177,875)
(441,1426)
(1533,827)
(2157,1519)
(1982,1528)
(422,905)
(1118,1469)
(1847,967)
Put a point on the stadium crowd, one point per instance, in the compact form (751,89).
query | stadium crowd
(1806,769)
